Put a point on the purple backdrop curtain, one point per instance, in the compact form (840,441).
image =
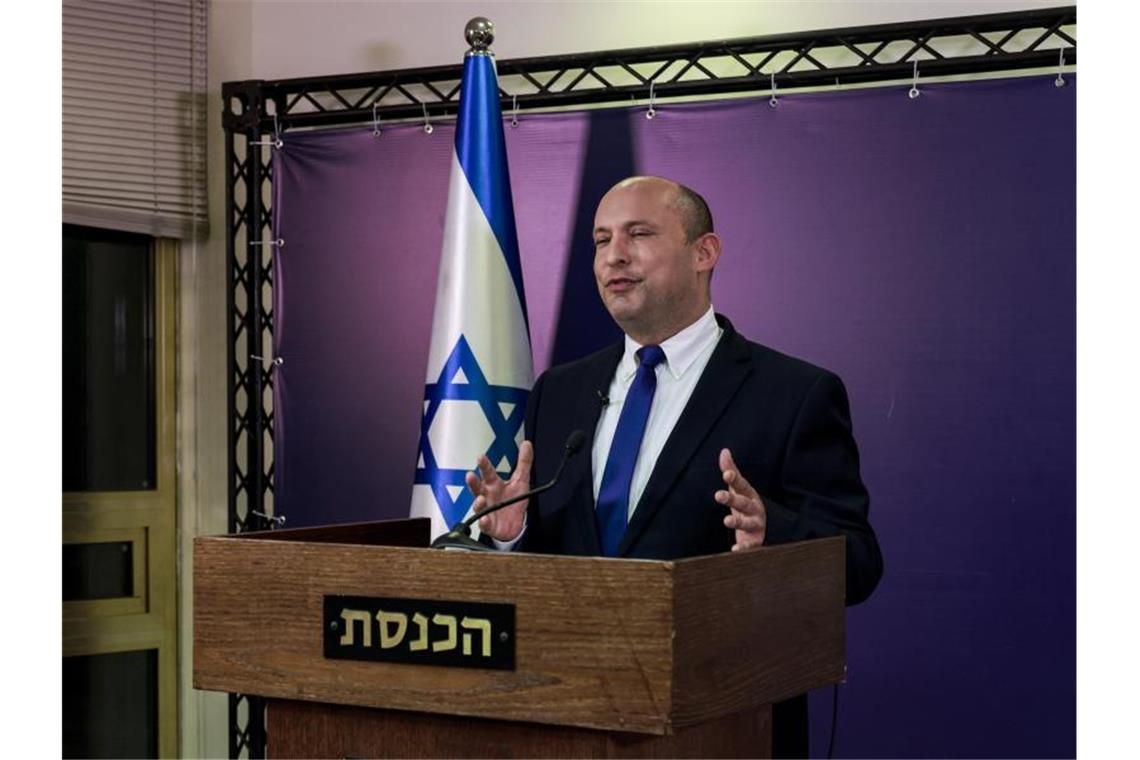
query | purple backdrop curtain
(923,249)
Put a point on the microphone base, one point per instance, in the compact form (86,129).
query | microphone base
(460,541)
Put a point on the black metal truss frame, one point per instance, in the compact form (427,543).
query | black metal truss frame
(942,47)
(257,112)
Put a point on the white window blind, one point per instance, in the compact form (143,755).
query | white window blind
(134,115)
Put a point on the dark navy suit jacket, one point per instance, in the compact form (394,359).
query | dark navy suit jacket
(788,425)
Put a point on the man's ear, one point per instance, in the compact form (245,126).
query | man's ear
(706,252)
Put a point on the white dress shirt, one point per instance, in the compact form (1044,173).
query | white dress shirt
(686,355)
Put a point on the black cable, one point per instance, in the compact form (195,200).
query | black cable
(834,720)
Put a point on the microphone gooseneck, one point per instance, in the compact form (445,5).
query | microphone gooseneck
(459,537)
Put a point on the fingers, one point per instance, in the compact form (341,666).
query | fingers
(749,531)
(746,544)
(746,523)
(732,477)
(488,525)
(739,502)
(474,484)
(526,459)
(747,516)
(504,525)
(489,488)
(487,470)
(726,461)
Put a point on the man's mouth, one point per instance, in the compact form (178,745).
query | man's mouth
(621,284)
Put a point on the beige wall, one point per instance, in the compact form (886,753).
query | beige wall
(266,39)
(202,380)
(295,39)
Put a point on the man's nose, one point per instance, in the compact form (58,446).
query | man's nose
(617,252)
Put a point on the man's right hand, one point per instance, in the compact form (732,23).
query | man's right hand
(489,489)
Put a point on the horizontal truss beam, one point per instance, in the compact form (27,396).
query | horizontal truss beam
(942,47)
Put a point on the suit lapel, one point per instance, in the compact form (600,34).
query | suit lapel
(728,366)
(596,383)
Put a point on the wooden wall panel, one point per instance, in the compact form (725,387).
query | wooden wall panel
(308,729)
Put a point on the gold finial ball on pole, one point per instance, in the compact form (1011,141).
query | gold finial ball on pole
(480,33)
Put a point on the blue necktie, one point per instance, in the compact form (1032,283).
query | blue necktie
(613,496)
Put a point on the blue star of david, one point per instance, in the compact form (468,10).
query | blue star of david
(505,426)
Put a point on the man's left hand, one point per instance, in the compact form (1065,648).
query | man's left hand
(747,514)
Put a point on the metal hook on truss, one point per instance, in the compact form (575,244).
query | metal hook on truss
(276,142)
(914,93)
(514,111)
(275,521)
(773,101)
(1060,80)
(428,128)
(375,120)
(274,362)
(652,101)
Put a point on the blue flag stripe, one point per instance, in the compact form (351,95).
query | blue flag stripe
(482,152)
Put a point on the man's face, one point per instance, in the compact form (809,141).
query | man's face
(646,272)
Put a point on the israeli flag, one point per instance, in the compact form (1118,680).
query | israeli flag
(480,369)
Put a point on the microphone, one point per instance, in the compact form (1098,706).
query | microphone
(459,537)
(603,399)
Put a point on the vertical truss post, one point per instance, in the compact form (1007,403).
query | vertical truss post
(243,109)
(259,240)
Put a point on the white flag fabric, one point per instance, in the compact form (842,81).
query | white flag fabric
(480,368)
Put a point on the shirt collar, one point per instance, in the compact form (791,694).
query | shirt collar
(681,350)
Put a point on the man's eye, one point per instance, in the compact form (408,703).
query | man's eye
(599,242)
(640,233)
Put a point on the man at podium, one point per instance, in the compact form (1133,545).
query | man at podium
(698,441)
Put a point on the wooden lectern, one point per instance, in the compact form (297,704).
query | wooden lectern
(612,657)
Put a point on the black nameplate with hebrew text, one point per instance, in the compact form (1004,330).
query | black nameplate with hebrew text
(420,631)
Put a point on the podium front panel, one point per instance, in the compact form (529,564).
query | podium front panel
(632,646)
(593,636)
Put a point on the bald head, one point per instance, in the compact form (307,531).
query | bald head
(654,253)
(696,219)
